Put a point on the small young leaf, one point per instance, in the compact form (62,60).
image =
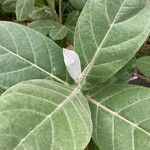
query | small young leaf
(73,64)
(44,115)
(143,65)
(24,8)
(121,117)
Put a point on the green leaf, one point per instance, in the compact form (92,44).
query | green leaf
(21,55)
(40,13)
(58,32)
(121,117)
(44,115)
(42,26)
(143,65)
(108,34)
(24,8)
(9,6)
(78,4)
(71,23)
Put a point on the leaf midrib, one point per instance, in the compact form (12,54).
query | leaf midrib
(116,115)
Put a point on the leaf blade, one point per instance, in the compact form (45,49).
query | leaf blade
(104,45)
(60,104)
(24,8)
(22,50)
(120,113)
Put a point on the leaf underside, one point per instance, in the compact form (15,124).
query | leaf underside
(121,117)
(43,114)
(108,34)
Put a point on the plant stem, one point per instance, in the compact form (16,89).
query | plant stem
(60,10)
(51,4)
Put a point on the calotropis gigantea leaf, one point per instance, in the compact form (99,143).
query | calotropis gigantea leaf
(44,115)
(26,54)
(121,117)
(143,65)
(24,8)
(42,26)
(108,34)
(58,32)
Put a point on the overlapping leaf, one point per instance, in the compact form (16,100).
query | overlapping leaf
(44,115)
(108,34)
(26,54)
(24,8)
(121,117)
(42,26)
(143,65)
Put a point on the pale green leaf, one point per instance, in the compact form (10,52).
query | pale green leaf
(143,65)
(108,35)
(26,54)
(44,115)
(24,8)
(42,26)
(40,13)
(58,32)
(121,117)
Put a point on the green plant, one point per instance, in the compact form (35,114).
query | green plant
(60,99)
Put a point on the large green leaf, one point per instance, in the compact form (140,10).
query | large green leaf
(121,117)
(143,65)
(41,13)
(44,115)
(108,34)
(24,8)
(26,54)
